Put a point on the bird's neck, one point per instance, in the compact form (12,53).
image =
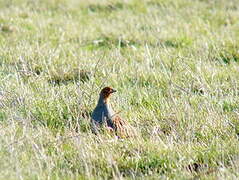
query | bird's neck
(105,104)
(103,101)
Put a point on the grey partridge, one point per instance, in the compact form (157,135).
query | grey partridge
(104,115)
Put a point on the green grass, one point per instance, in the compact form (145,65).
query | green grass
(174,64)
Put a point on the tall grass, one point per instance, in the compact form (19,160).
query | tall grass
(173,62)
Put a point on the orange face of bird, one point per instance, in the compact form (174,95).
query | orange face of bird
(107,91)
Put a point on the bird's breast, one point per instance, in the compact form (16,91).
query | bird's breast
(110,111)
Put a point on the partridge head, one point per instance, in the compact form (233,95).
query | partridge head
(106,92)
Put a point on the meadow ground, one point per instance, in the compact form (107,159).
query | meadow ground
(175,65)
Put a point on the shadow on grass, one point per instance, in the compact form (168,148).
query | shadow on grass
(6,29)
(98,8)
(196,167)
(228,58)
(228,54)
(229,106)
(134,6)
(3,115)
(63,78)
(179,42)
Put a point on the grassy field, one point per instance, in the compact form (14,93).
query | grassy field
(175,64)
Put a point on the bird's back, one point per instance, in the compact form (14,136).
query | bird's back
(122,128)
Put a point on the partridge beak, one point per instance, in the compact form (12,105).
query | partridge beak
(113,91)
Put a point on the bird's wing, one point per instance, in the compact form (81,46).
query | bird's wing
(122,128)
